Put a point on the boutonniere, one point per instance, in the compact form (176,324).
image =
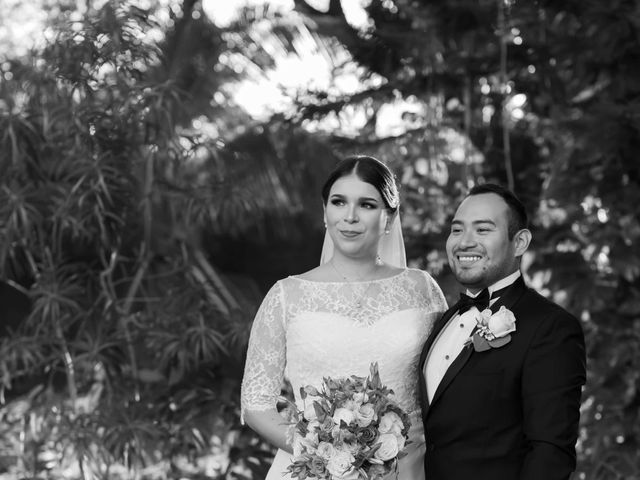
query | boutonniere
(493,329)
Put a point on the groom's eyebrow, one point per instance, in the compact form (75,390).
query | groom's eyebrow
(482,221)
(474,222)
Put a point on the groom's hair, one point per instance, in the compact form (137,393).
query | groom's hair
(518,218)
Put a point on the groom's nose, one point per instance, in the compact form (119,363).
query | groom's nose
(467,239)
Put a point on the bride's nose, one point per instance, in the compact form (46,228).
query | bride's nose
(351,215)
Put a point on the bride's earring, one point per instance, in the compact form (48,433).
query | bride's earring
(378,260)
(387,227)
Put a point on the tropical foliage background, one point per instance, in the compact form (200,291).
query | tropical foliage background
(160,169)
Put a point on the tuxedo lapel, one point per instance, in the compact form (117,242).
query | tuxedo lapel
(422,384)
(508,298)
(437,328)
(511,295)
(453,370)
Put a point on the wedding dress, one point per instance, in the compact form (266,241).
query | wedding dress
(306,330)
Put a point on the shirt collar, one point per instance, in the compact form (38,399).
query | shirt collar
(505,282)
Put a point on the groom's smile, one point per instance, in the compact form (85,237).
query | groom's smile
(468,259)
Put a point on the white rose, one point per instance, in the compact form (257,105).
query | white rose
(388,448)
(360,397)
(391,423)
(365,415)
(340,462)
(351,405)
(344,414)
(308,443)
(325,450)
(502,322)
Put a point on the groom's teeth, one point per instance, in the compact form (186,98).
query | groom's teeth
(468,258)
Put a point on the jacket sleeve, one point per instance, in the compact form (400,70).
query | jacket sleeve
(553,375)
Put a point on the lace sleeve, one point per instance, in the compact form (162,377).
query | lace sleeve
(437,300)
(264,368)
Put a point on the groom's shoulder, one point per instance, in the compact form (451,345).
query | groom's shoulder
(539,304)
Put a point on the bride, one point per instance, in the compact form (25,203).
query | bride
(361,305)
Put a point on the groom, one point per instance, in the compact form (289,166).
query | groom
(499,403)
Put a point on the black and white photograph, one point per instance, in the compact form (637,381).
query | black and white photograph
(319,239)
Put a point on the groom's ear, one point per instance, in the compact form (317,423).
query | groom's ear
(521,240)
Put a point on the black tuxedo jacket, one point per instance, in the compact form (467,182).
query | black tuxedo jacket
(509,413)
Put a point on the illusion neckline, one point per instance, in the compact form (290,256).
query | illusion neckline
(375,280)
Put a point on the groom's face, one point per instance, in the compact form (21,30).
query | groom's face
(478,247)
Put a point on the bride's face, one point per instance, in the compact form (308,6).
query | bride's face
(356,217)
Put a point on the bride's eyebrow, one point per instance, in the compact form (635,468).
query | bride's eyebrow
(360,199)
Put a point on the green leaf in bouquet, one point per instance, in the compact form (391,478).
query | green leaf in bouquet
(303,393)
(374,377)
(371,452)
(321,413)
(299,472)
(302,427)
(403,452)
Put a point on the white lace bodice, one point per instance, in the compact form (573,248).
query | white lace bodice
(307,330)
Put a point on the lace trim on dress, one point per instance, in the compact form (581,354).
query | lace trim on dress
(377,298)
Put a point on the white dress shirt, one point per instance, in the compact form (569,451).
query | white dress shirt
(451,339)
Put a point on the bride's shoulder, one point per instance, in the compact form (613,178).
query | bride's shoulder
(421,276)
(391,272)
(320,273)
(430,287)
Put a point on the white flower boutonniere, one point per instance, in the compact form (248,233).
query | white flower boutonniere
(494,329)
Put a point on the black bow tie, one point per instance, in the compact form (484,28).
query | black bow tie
(481,301)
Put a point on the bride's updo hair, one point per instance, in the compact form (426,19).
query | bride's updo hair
(369,170)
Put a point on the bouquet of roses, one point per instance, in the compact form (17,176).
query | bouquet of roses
(350,429)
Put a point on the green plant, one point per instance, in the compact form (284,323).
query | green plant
(128,362)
